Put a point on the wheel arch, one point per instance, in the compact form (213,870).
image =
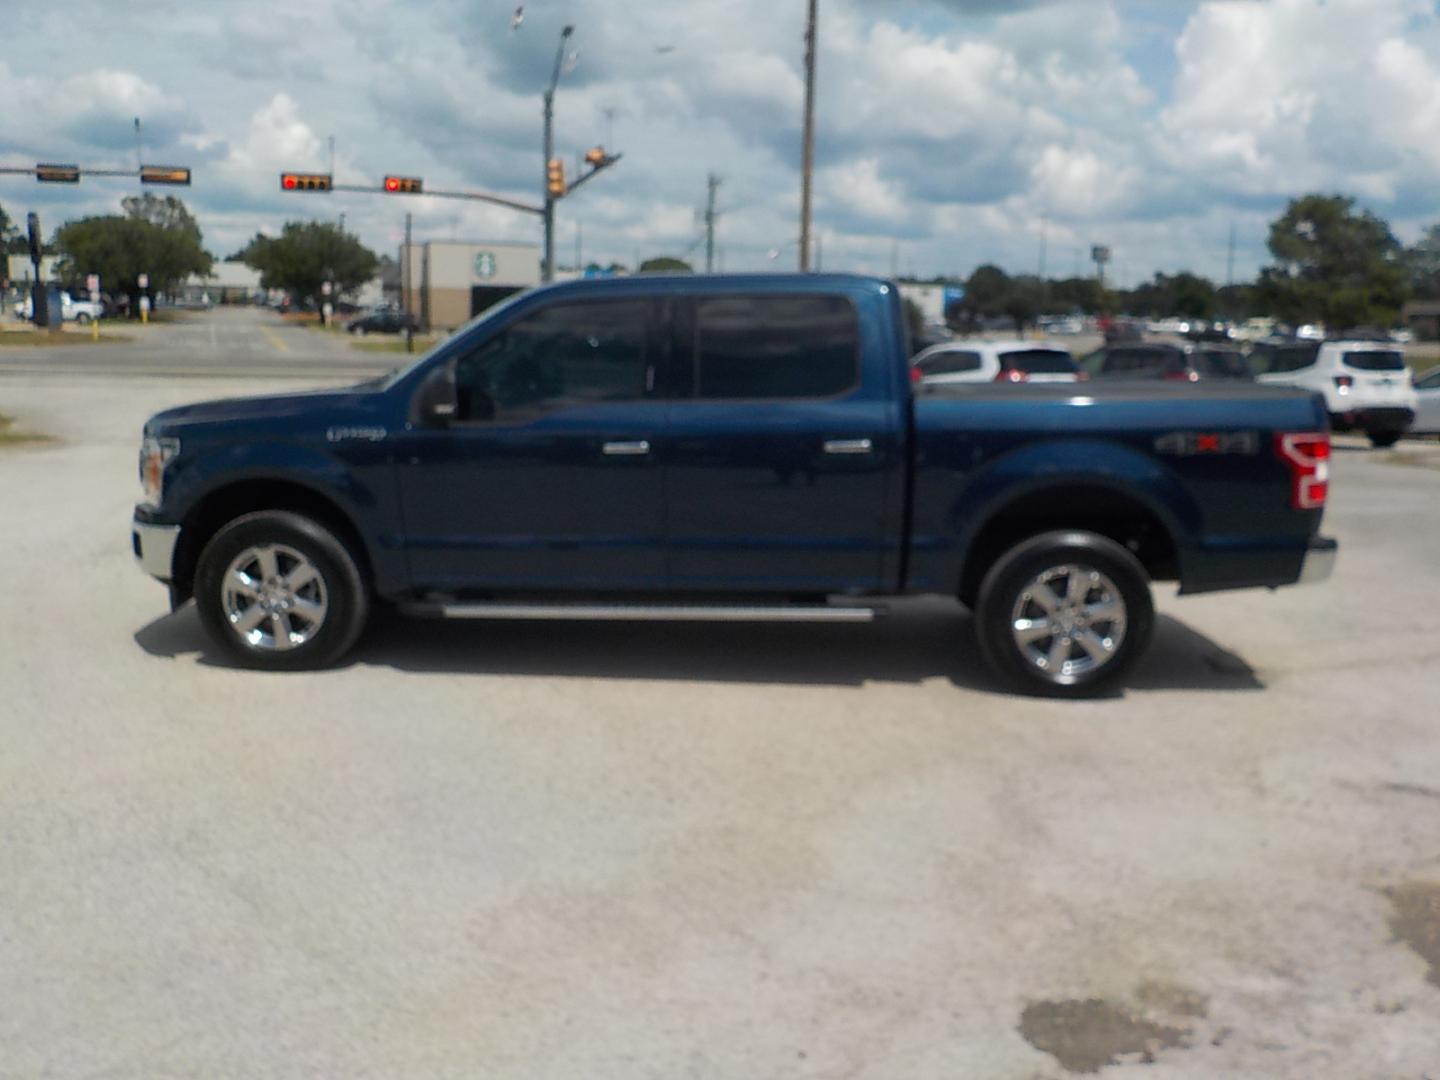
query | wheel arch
(224,504)
(1107,510)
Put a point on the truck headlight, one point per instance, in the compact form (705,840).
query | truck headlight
(155,454)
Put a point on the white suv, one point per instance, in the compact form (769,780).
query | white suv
(993,361)
(1365,384)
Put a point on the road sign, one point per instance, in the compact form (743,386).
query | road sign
(486,265)
(142,280)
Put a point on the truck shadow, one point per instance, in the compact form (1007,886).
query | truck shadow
(921,640)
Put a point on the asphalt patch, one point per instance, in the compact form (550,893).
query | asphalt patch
(1415,920)
(1085,1036)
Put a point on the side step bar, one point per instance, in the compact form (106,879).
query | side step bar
(817,613)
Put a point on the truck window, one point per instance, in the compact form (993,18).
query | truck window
(766,347)
(563,356)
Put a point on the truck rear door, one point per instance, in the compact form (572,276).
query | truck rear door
(785,467)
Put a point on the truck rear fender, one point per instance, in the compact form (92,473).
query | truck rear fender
(1077,484)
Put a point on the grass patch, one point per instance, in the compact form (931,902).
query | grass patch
(42,338)
(10,437)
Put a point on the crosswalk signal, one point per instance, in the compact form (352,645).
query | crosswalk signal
(305,181)
(555,178)
(164,174)
(57,174)
(403,185)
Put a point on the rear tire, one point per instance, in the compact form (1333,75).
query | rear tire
(1383,440)
(1065,614)
(280,592)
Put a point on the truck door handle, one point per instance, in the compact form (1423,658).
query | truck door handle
(639,448)
(849,446)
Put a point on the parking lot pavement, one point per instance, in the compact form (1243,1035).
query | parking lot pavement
(597,851)
(220,342)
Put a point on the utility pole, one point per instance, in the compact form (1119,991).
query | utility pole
(710,217)
(405,271)
(808,153)
(547,269)
(139,152)
(1230,275)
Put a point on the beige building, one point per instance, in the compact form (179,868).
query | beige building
(448,282)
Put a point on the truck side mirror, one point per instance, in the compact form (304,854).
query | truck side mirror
(436,403)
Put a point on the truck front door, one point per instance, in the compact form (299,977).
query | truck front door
(549,476)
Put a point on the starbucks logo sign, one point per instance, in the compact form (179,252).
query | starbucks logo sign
(486,265)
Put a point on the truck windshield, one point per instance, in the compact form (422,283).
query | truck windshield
(1375,361)
(1039,362)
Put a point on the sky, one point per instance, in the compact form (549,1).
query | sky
(950,132)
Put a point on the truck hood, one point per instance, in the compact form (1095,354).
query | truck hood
(318,406)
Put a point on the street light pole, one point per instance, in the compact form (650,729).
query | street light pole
(548,267)
(808,164)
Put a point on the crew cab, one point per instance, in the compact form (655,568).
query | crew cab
(726,448)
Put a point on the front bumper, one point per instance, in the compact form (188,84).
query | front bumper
(1319,561)
(154,547)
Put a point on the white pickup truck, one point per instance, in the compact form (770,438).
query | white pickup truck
(71,309)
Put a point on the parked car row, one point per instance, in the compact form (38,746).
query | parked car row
(1366,385)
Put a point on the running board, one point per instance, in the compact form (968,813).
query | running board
(793,613)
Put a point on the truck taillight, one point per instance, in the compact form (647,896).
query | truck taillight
(1308,456)
(1013,375)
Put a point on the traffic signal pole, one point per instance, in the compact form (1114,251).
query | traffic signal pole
(547,268)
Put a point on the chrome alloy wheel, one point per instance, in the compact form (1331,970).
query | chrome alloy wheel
(1069,622)
(274,598)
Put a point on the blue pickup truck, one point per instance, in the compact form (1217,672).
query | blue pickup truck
(726,448)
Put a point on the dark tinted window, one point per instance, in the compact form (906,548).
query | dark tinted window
(567,355)
(1145,361)
(950,362)
(1039,362)
(1429,381)
(1278,359)
(775,347)
(1375,361)
(1223,364)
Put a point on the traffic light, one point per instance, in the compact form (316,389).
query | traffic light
(597,158)
(57,174)
(555,178)
(403,185)
(305,181)
(164,174)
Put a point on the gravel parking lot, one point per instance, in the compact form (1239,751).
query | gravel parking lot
(729,852)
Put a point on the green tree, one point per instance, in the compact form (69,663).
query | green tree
(666,264)
(985,293)
(157,237)
(307,254)
(1422,265)
(1022,301)
(13,239)
(1334,263)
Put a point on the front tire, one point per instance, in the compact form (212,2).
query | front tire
(82,319)
(280,592)
(1065,614)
